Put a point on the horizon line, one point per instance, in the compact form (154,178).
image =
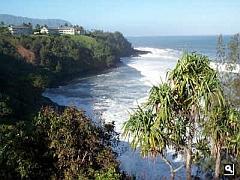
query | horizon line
(190,35)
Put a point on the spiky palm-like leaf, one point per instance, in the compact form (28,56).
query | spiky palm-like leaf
(143,132)
(177,110)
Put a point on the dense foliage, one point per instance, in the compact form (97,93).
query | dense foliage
(49,143)
(190,114)
(21,88)
(61,145)
(29,64)
(228,55)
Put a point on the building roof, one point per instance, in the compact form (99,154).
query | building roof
(64,28)
(51,28)
(21,27)
(59,28)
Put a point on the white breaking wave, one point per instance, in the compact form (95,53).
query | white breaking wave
(159,53)
(226,67)
(114,94)
(155,65)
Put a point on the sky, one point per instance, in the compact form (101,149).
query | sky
(137,17)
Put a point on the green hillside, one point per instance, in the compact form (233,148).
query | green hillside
(39,139)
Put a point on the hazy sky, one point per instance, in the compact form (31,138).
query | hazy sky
(137,17)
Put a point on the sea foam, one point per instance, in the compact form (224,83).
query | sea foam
(155,65)
(113,95)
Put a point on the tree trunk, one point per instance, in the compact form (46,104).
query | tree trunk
(172,170)
(188,163)
(173,173)
(217,163)
(213,148)
(191,133)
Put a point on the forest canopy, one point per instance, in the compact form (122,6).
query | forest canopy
(39,139)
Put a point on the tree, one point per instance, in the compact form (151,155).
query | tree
(80,29)
(230,59)
(29,24)
(143,129)
(221,56)
(174,109)
(5,108)
(24,153)
(37,27)
(222,132)
(58,67)
(81,150)
(25,24)
(234,49)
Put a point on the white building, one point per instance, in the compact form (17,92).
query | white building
(79,30)
(59,30)
(20,30)
(49,30)
(67,30)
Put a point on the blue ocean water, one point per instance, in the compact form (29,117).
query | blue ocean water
(112,95)
(202,44)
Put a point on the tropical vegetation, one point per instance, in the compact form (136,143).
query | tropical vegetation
(29,64)
(195,111)
(39,139)
(191,113)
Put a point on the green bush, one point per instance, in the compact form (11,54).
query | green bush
(110,174)
(59,144)
(76,143)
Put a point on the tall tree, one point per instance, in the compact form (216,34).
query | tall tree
(230,79)
(174,109)
(30,24)
(221,56)
(150,135)
(234,49)
(37,27)
(221,131)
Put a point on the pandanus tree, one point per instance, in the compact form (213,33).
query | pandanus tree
(171,117)
(147,126)
(223,132)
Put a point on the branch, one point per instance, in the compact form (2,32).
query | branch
(84,157)
(168,163)
(180,167)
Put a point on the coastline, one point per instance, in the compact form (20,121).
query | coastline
(138,52)
(84,74)
(93,72)
(112,102)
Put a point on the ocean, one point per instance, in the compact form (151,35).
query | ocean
(112,95)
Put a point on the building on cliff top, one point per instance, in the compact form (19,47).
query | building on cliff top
(20,30)
(60,30)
